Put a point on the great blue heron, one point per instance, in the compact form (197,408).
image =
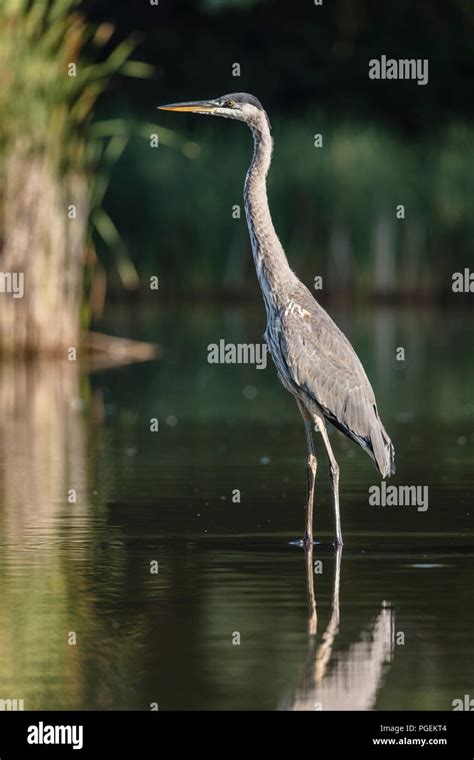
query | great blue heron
(314,359)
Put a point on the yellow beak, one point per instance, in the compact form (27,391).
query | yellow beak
(198,106)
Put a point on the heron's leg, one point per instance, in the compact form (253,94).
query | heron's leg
(334,473)
(312,610)
(324,651)
(312,467)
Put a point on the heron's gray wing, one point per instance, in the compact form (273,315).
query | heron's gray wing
(319,360)
(322,362)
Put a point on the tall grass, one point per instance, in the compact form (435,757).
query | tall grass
(50,79)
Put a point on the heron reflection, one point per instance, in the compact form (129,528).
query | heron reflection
(349,679)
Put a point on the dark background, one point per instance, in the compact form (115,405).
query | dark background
(296,56)
(385,143)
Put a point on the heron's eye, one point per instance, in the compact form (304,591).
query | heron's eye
(230,103)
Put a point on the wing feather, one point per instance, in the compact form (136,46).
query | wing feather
(321,362)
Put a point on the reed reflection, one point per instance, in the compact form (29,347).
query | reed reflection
(60,648)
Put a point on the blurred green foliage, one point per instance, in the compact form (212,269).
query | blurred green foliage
(175,208)
(50,80)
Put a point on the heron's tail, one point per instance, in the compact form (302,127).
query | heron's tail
(382,447)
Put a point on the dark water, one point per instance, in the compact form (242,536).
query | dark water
(387,625)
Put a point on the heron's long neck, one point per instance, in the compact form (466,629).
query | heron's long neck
(273,271)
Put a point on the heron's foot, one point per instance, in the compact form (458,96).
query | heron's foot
(338,542)
(305,542)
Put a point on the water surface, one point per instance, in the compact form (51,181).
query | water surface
(90,498)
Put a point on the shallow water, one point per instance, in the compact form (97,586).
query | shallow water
(394,633)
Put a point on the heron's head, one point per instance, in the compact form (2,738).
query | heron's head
(237,105)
